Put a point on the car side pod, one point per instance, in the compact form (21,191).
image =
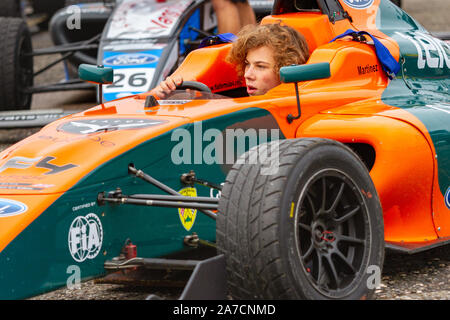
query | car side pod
(96,74)
(305,72)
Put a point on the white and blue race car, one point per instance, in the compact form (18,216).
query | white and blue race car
(142,40)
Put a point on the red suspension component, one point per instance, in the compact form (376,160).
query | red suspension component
(130,250)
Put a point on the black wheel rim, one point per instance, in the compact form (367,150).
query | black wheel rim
(332,233)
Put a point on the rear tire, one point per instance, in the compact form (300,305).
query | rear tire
(310,230)
(10,8)
(16,70)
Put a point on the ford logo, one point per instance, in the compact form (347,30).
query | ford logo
(130,59)
(447,198)
(11,208)
(359,4)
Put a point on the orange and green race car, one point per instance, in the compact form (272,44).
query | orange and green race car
(299,191)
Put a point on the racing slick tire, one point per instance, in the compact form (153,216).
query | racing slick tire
(398,3)
(10,8)
(309,228)
(16,69)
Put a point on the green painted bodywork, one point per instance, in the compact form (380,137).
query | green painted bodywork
(422,86)
(39,259)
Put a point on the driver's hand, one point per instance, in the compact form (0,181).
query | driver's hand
(167,86)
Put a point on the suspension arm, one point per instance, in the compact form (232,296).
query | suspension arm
(147,201)
(174,200)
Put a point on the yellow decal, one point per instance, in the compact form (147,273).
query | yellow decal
(187,216)
(292,210)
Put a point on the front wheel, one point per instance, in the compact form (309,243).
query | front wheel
(311,227)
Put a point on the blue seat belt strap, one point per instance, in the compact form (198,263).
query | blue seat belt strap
(217,39)
(388,63)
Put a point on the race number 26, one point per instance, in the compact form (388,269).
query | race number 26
(134,79)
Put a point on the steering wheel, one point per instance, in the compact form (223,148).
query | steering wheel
(194,85)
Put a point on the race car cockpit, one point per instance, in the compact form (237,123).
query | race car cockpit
(332,8)
(318,20)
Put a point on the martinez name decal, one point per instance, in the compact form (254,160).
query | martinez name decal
(367,69)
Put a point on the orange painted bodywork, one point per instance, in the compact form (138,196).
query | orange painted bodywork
(66,148)
(412,208)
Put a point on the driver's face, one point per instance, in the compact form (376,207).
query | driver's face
(260,75)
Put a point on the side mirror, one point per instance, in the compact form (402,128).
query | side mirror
(305,72)
(96,74)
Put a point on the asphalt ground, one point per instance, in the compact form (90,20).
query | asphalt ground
(423,276)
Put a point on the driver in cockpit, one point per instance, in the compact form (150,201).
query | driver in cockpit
(258,53)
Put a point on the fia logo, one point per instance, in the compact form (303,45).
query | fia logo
(85,237)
